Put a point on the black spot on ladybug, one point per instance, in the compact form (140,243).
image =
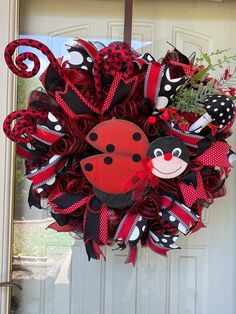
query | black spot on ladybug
(136,157)
(136,136)
(107,160)
(40,45)
(110,148)
(93,136)
(88,167)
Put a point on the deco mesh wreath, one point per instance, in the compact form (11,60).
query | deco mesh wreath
(124,148)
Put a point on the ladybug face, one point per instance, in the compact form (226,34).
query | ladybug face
(170,157)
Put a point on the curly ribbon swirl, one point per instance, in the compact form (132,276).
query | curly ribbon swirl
(25,126)
(21,70)
(117,57)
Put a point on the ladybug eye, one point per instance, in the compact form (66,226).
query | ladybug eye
(176,152)
(158,152)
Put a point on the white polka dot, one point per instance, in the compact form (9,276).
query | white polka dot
(164,240)
(214,100)
(173,246)
(135,234)
(89,59)
(84,67)
(167,87)
(221,114)
(34,170)
(166,235)
(57,127)
(216,109)
(228,109)
(53,158)
(182,228)
(143,228)
(140,218)
(30,146)
(221,126)
(51,181)
(229,117)
(227,99)
(76,58)
(149,58)
(162,102)
(169,78)
(172,218)
(178,88)
(160,214)
(219,96)
(209,106)
(51,117)
(39,190)
(223,121)
(222,103)
(175,239)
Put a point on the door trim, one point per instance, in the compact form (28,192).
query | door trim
(9,18)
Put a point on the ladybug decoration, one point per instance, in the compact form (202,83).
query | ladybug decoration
(110,153)
(125,149)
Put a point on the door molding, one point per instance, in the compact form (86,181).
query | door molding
(9,14)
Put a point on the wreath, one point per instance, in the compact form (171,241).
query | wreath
(125,149)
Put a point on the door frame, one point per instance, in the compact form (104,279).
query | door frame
(9,17)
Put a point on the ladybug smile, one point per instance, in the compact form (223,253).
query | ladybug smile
(167,172)
(167,169)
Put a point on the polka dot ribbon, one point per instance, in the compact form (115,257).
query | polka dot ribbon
(21,68)
(25,125)
(117,57)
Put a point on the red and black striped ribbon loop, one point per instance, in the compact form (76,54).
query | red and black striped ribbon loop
(153,81)
(216,155)
(126,227)
(67,203)
(120,91)
(72,226)
(132,254)
(47,136)
(69,98)
(74,103)
(46,172)
(155,246)
(177,214)
(189,139)
(89,47)
(95,218)
(192,188)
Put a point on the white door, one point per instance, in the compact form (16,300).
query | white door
(53,269)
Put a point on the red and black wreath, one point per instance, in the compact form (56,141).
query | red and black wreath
(125,149)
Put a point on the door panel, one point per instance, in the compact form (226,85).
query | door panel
(53,269)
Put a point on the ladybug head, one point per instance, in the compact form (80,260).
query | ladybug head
(169,157)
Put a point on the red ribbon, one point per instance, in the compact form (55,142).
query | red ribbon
(141,179)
